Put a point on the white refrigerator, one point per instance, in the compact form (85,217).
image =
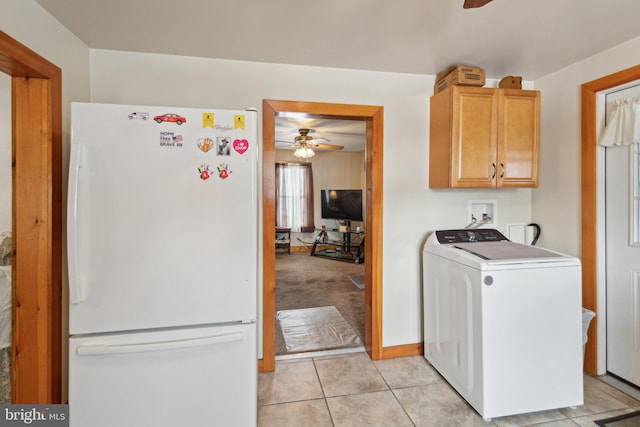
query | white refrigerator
(162,248)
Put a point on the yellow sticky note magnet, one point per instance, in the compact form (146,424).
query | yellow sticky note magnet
(238,121)
(207,120)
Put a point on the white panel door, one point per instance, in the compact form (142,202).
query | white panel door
(623,270)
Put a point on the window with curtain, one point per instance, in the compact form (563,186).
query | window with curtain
(294,197)
(623,129)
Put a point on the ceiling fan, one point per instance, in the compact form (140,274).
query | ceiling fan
(304,143)
(470,4)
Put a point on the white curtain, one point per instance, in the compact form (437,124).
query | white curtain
(624,124)
(294,197)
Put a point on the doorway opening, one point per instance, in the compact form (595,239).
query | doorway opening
(373,118)
(619,158)
(592,213)
(319,307)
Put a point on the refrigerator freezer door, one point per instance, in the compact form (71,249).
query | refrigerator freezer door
(201,376)
(162,218)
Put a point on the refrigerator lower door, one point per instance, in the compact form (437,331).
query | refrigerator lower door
(201,376)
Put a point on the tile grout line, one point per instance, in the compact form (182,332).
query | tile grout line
(391,389)
(324,394)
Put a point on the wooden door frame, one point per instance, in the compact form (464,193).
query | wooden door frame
(36,104)
(589,185)
(373,116)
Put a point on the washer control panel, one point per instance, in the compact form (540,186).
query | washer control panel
(469,235)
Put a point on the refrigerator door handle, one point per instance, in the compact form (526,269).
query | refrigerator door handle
(75,285)
(102,349)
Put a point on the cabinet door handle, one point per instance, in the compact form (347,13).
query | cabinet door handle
(501,170)
(494,170)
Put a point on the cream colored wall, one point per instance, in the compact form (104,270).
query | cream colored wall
(331,170)
(28,23)
(5,153)
(556,203)
(410,208)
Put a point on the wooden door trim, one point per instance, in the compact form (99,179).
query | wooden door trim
(37,223)
(589,185)
(373,116)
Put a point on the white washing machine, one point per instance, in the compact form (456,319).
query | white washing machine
(503,321)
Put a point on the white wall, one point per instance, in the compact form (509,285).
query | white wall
(5,153)
(29,24)
(410,208)
(556,203)
(560,161)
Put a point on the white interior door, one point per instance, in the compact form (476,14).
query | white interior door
(623,260)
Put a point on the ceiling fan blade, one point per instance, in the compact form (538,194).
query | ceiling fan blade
(470,4)
(328,146)
(319,140)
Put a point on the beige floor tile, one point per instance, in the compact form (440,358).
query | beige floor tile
(408,371)
(349,375)
(533,418)
(379,408)
(308,413)
(352,390)
(589,420)
(595,383)
(558,423)
(438,405)
(597,398)
(289,383)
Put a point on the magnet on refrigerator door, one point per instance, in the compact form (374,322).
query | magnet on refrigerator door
(205,144)
(203,170)
(224,146)
(238,121)
(171,140)
(240,145)
(223,171)
(207,120)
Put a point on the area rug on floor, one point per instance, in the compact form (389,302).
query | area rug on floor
(631,419)
(318,328)
(358,281)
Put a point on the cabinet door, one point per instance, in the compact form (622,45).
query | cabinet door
(518,138)
(474,137)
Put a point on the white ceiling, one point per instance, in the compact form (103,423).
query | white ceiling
(528,38)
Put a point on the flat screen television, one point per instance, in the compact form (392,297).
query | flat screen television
(341,204)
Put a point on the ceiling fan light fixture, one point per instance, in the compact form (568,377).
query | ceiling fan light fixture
(304,152)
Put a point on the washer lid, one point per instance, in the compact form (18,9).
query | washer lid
(505,250)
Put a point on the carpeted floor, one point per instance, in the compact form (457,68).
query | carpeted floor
(303,281)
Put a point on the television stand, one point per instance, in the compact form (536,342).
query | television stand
(339,245)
